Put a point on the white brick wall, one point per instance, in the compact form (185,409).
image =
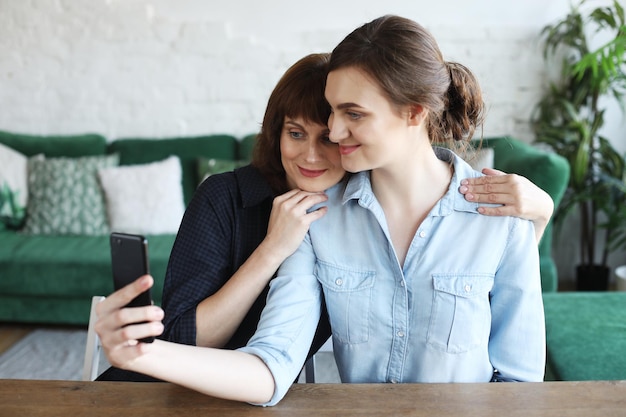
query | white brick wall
(162,68)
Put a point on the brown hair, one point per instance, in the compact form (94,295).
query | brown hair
(299,93)
(405,60)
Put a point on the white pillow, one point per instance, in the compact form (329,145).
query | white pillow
(144,199)
(482,158)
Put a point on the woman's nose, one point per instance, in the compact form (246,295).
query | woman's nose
(313,151)
(337,131)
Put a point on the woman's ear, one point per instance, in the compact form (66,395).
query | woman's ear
(417,114)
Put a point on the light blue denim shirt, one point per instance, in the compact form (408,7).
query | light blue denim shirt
(465,306)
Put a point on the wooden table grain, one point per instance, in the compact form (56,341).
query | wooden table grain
(77,398)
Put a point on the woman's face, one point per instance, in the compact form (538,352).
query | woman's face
(310,159)
(370,131)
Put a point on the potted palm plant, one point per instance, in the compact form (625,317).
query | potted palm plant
(569,117)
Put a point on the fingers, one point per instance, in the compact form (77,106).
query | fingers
(498,211)
(315,214)
(115,321)
(293,206)
(489,197)
(131,334)
(304,199)
(490,188)
(115,332)
(290,220)
(491,171)
(518,195)
(124,296)
(497,178)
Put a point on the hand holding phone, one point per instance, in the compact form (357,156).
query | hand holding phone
(129,261)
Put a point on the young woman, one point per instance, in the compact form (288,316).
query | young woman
(418,285)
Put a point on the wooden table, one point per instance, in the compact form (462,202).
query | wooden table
(73,398)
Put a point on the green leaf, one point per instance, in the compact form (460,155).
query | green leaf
(570,115)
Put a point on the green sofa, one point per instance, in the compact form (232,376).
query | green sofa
(585,335)
(51,279)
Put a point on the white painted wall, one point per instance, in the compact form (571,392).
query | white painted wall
(161,68)
(158,68)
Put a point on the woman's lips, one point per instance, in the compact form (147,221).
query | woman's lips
(311,173)
(347,150)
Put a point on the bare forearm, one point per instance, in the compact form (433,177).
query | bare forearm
(226,374)
(219,316)
(543,208)
(540,227)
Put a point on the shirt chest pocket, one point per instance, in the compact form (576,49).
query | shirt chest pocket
(348,297)
(461,315)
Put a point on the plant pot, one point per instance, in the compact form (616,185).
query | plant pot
(592,278)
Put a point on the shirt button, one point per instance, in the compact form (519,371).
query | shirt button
(468,288)
(339,281)
(400,333)
(393,381)
(402,283)
(422,234)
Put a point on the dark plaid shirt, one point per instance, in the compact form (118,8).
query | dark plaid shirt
(224,223)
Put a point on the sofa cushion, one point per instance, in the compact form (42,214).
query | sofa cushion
(55,145)
(145,198)
(585,335)
(188,149)
(58,267)
(65,197)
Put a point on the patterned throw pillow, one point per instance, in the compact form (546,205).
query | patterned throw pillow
(65,197)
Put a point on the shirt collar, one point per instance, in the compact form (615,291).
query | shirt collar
(359,187)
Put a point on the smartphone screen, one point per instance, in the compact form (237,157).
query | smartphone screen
(129,261)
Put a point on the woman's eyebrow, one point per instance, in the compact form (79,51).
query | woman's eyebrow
(293,123)
(347,105)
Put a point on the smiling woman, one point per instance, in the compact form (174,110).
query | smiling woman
(310,159)
(411,294)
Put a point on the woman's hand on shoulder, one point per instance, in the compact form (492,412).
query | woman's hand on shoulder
(290,220)
(517,195)
(115,326)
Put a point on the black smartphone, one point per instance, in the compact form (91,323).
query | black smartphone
(129,261)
